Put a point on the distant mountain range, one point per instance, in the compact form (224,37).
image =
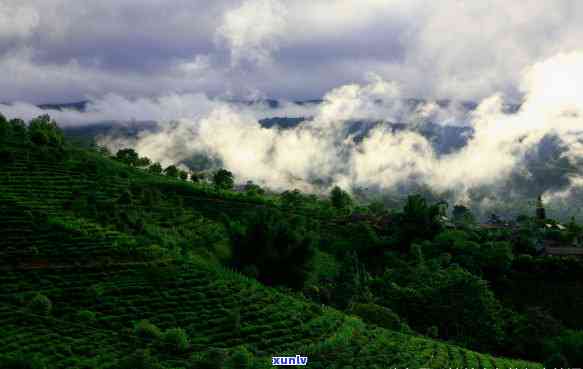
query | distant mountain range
(444,138)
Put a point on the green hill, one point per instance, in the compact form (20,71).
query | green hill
(101,261)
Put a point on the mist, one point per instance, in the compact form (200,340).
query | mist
(507,157)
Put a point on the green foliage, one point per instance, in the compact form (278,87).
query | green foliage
(143,162)
(128,156)
(4,128)
(380,316)
(556,360)
(211,359)
(460,304)
(140,359)
(147,331)
(253,190)
(530,330)
(223,179)
(155,168)
(171,171)
(569,344)
(432,332)
(292,198)
(234,319)
(41,305)
(22,360)
(462,215)
(86,316)
(197,177)
(280,247)
(340,199)
(183,175)
(240,358)
(417,222)
(175,340)
(44,131)
(18,129)
(351,283)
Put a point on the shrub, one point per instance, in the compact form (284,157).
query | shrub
(41,305)
(378,315)
(21,361)
(176,340)
(147,331)
(212,359)
(241,358)
(140,359)
(86,316)
(556,360)
(570,344)
(234,319)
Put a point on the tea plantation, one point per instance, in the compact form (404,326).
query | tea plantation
(105,265)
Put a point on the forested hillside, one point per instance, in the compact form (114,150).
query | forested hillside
(111,261)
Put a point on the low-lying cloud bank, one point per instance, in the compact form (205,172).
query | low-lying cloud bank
(509,155)
(508,158)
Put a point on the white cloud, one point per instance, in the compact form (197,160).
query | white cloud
(17,22)
(253,30)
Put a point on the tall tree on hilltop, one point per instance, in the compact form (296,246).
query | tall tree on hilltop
(223,179)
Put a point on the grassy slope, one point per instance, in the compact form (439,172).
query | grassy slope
(76,263)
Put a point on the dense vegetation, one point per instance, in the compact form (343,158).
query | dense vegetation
(111,261)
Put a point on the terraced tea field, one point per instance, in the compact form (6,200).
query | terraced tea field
(99,289)
(204,301)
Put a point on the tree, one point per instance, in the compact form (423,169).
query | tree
(458,303)
(279,247)
(253,189)
(103,151)
(340,199)
(223,179)
(41,305)
(196,177)
(171,171)
(3,127)
(18,128)
(417,222)
(143,162)
(292,198)
(570,344)
(183,175)
(128,156)
(556,360)
(49,127)
(176,340)
(44,131)
(462,215)
(155,168)
(351,284)
(147,331)
(241,358)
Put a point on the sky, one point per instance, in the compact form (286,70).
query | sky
(69,50)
